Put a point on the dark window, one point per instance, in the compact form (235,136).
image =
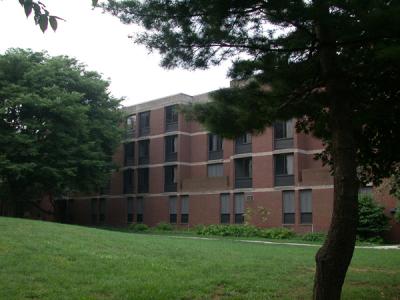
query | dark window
(131,126)
(139,209)
(102,209)
(144,123)
(129,209)
(172,209)
(225,210)
(171,144)
(243,172)
(214,147)
(288,207)
(283,134)
(284,169)
(239,208)
(170,178)
(128,181)
(243,144)
(306,207)
(143,180)
(215,170)
(129,153)
(94,208)
(185,209)
(171,118)
(144,152)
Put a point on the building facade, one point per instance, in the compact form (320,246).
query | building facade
(172,170)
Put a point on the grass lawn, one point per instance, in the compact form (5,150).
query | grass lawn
(40,260)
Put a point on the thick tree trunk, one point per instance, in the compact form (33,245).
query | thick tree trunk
(334,257)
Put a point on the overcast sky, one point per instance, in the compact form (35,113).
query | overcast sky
(101,42)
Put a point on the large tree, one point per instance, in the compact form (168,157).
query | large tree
(58,128)
(332,64)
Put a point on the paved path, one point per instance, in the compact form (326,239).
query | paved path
(387,247)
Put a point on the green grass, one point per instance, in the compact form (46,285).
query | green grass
(41,260)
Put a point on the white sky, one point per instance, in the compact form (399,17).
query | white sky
(101,42)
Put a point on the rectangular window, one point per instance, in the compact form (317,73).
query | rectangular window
(288,207)
(172,209)
(130,126)
(283,129)
(94,208)
(171,118)
(225,209)
(243,144)
(143,180)
(129,153)
(102,209)
(139,209)
(171,148)
(128,181)
(284,164)
(129,209)
(144,152)
(185,209)
(170,178)
(243,172)
(306,207)
(239,208)
(215,170)
(144,123)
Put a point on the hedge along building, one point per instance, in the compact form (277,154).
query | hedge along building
(173,170)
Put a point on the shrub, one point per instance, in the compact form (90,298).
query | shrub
(138,227)
(162,226)
(372,240)
(228,230)
(277,233)
(372,222)
(314,237)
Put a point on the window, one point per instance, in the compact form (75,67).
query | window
(288,207)
(144,123)
(139,209)
(306,207)
(94,208)
(129,153)
(102,209)
(171,118)
(365,191)
(215,170)
(225,210)
(128,181)
(131,126)
(214,147)
(171,148)
(143,180)
(284,169)
(144,152)
(170,178)
(243,172)
(185,209)
(172,209)
(283,129)
(129,209)
(239,208)
(243,144)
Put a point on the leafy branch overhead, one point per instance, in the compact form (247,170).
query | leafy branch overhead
(42,16)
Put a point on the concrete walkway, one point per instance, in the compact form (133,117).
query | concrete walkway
(384,247)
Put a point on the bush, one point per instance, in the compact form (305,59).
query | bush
(138,227)
(372,222)
(371,240)
(164,227)
(228,230)
(277,233)
(314,237)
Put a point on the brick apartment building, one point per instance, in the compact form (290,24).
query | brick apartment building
(173,170)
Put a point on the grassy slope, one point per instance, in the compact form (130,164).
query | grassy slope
(52,261)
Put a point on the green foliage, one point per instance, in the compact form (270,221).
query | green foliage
(228,230)
(162,226)
(277,233)
(138,227)
(372,221)
(58,126)
(314,236)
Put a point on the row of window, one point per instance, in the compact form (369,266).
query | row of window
(135,208)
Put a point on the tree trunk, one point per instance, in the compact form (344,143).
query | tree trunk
(333,258)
